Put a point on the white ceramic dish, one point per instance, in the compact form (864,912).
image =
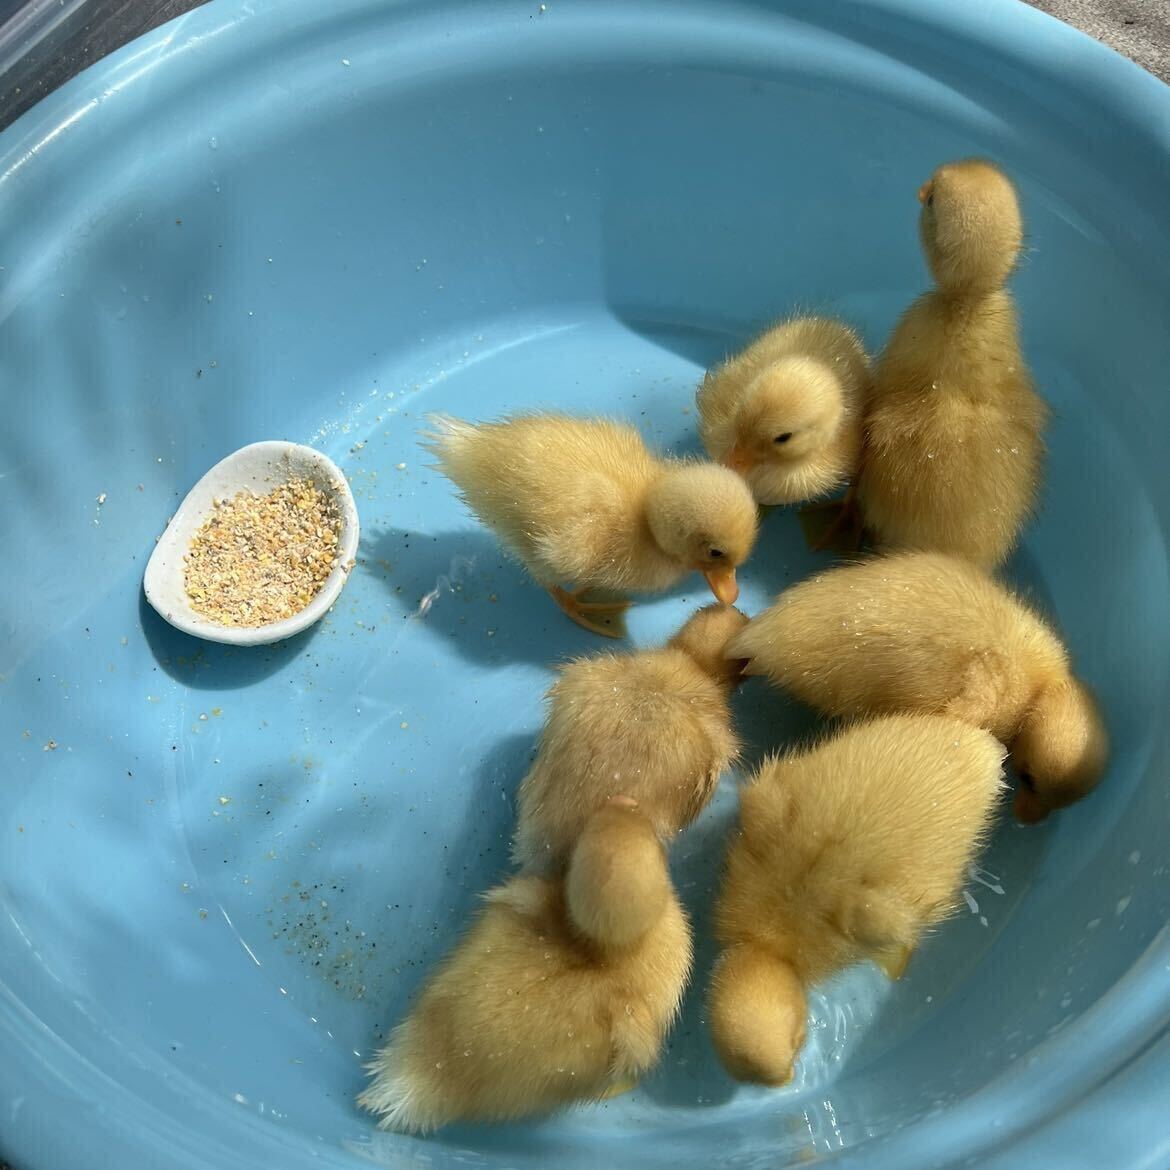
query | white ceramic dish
(259,467)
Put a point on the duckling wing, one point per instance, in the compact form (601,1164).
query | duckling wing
(879,919)
(578,535)
(982,687)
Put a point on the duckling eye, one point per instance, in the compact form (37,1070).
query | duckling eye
(1027,781)
(783,438)
(930,199)
(715,553)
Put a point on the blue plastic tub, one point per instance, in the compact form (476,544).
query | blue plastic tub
(223,874)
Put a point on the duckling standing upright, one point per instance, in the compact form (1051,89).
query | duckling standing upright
(584,501)
(845,852)
(921,631)
(631,739)
(529,1013)
(954,449)
(786,412)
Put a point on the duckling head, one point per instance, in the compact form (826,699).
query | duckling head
(756,1009)
(704,638)
(791,409)
(703,516)
(971,226)
(1060,752)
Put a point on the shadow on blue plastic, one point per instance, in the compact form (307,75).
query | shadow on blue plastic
(223,874)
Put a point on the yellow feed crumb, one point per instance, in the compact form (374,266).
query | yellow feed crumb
(260,559)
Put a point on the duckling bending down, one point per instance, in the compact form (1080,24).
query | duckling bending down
(954,449)
(786,413)
(631,740)
(584,501)
(845,852)
(920,631)
(528,1015)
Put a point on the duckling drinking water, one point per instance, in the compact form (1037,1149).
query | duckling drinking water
(845,852)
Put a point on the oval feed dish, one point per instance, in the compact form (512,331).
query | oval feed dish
(256,469)
(226,870)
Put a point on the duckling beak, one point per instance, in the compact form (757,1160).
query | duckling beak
(723,584)
(1028,808)
(739,461)
(924,190)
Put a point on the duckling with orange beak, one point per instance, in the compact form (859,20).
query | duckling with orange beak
(583,501)
(786,412)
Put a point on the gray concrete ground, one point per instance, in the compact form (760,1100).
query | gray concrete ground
(1140,29)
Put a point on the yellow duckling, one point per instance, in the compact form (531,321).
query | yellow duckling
(954,449)
(786,413)
(920,631)
(846,852)
(630,738)
(528,1014)
(583,501)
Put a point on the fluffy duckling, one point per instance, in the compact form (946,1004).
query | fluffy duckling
(529,1014)
(630,739)
(786,413)
(920,631)
(584,501)
(845,852)
(954,449)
